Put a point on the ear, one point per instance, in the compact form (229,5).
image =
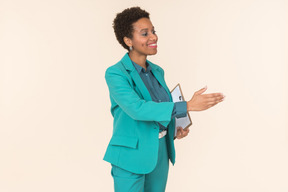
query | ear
(127,41)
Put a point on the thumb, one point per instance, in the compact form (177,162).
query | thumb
(201,91)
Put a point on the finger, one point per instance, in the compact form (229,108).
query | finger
(212,95)
(179,133)
(215,96)
(214,100)
(201,91)
(179,136)
(185,134)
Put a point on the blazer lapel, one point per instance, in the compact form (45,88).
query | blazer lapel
(136,77)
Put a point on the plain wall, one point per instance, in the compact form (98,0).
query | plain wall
(55,120)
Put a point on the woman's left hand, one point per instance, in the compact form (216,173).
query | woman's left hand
(182,132)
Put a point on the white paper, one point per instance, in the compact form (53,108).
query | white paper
(177,97)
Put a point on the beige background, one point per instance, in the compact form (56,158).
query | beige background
(55,121)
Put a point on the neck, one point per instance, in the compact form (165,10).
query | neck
(139,59)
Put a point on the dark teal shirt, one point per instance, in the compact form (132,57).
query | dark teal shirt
(158,93)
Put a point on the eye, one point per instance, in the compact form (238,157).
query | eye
(154,32)
(144,34)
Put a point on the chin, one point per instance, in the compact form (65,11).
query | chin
(153,53)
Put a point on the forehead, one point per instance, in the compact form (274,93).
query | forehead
(142,24)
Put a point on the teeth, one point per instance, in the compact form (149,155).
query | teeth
(152,44)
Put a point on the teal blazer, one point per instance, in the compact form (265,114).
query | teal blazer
(134,143)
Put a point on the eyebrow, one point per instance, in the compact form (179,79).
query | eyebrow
(146,29)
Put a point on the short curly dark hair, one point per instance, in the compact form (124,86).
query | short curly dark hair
(123,23)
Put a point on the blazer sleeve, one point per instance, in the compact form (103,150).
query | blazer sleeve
(129,101)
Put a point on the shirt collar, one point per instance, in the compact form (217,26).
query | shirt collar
(141,69)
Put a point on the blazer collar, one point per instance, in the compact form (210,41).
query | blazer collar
(130,67)
(127,63)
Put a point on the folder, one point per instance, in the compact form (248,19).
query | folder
(177,96)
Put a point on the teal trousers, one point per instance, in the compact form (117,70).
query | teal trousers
(125,181)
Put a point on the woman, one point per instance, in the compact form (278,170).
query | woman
(143,131)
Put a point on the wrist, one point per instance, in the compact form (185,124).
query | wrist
(189,107)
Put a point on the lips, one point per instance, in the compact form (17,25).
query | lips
(152,45)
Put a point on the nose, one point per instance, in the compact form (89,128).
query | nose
(153,37)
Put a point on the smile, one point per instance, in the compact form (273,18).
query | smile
(154,45)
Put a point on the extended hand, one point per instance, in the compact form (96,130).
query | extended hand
(181,132)
(200,101)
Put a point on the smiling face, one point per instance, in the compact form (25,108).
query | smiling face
(144,40)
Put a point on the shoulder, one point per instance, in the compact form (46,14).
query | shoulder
(117,68)
(121,67)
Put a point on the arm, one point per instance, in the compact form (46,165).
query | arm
(129,101)
(200,102)
(179,110)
